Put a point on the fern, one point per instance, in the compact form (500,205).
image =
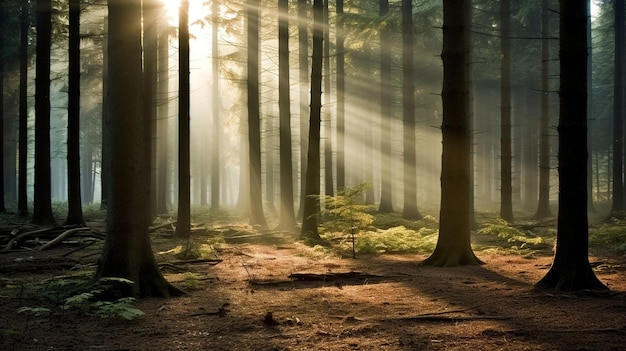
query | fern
(34,311)
(122,307)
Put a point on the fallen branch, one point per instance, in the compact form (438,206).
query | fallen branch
(161,226)
(19,237)
(62,237)
(331,276)
(211,261)
(440,318)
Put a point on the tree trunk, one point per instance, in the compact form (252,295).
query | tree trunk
(215,100)
(163,187)
(312,189)
(3,17)
(341,97)
(254,119)
(571,269)
(617,208)
(183,229)
(408,103)
(303,71)
(150,44)
(329,186)
(127,252)
(453,246)
(287,215)
(543,207)
(74,200)
(386,193)
(22,198)
(42,202)
(590,123)
(506,192)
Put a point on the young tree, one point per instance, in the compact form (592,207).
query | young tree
(408,105)
(183,229)
(127,252)
(312,186)
(453,246)
(571,269)
(74,199)
(42,203)
(287,214)
(254,119)
(506,191)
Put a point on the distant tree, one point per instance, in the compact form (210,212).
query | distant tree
(254,119)
(617,204)
(163,114)
(183,228)
(127,252)
(22,186)
(341,96)
(386,204)
(150,11)
(453,246)
(42,203)
(506,191)
(215,137)
(312,186)
(408,107)
(287,214)
(329,186)
(543,206)
(571,269)
(74,199)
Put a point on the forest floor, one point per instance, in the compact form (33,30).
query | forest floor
(283,295)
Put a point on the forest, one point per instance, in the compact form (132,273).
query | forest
(290,175)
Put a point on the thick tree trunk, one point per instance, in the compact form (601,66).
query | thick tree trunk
(127,252)
(453,246)
(2,65)
(617,208)
(571,269)
(312,188)
(42,203)
(74,200)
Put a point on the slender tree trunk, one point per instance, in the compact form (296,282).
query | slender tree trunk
(22,198)
(42,204)
(287,214)
(312,189)
(2,117)
(150,44)
(506,192)
(329,185)
(163,187)
(571,269)
(386,204)
(104,177)
(254,119)
(183,229)
(543,207)
(408,103)
(74,200)
(617,208)
(341,97)
(453,246)
(590,123)
(303,71)
(215,100)
(127,252)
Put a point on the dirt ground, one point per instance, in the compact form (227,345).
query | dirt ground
(375,302)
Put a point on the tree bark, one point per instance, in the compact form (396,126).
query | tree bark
(127,252)
(386,193)
(341,97)
(617,205)
(453,246)
(22,198)
(183,229)
(74,200)
(571,269)
(506,191)
(215,108)
(163,186)
(312,189)
(303,71)
(329,186)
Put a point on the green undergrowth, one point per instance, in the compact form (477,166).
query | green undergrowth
(611,235)
(79,294)
(499,236)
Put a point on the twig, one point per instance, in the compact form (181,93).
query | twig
(23,235)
